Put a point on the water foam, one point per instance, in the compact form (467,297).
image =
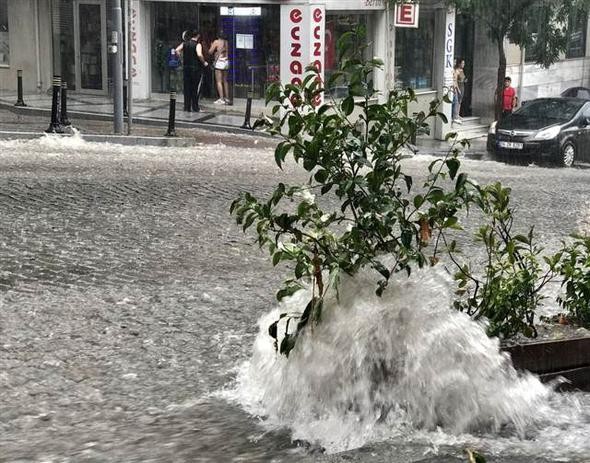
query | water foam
(377,368)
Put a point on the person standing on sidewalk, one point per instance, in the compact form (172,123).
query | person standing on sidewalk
(194,63)
(509,99)
(458,89)
(219,48)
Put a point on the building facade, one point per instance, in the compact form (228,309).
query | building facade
(70,38)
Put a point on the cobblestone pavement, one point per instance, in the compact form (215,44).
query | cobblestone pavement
(127,295)
(122,279)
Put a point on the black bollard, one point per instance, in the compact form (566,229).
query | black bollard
(19,87)
(125,112)
(64,105)
(55,126)
(172,115)
(246,124)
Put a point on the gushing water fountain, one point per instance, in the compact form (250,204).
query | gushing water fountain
(405,367)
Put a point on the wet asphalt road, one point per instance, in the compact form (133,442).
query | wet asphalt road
(128,296)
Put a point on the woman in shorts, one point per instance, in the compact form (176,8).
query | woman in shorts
(219,49)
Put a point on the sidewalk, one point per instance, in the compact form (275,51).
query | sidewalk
(150,118)
(154,110)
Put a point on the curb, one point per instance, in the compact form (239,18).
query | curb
(115,139)
(30,111)
(569,358)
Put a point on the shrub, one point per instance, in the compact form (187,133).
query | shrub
(383,221)
(507,291)
(356,159)
(574,268)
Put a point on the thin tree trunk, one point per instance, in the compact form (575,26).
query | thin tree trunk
(501,75)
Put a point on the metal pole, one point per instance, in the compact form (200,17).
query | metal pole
(64,105)
(521,68)
(117,52)
(129,69)
(172,115)
(19,86)
(55,126)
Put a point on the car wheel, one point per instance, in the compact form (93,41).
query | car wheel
(568,154)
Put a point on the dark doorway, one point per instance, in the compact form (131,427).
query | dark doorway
(464,40)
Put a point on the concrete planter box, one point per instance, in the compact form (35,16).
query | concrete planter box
(569,358)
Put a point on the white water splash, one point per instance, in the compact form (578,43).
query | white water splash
(404,364)
(584,220)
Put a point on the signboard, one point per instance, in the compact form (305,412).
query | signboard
(317,40)
(245,41)
(304,28)
(449,51)
(373,4)
(406,15)
(240,11)
(139,59)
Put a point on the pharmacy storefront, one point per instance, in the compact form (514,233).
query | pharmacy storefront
(258,34)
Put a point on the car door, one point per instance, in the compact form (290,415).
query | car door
(583,138)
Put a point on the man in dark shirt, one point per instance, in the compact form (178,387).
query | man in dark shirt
(193,63)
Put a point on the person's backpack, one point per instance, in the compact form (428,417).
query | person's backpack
(173,60)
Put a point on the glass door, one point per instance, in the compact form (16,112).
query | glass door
(90,46)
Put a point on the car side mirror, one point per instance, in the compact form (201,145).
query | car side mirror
(585,121)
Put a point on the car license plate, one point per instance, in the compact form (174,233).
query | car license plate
(511,145)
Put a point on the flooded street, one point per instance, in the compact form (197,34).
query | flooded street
(129,300)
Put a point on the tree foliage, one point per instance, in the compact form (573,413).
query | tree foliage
(353,151)
(370,214)
(511,19)
(574,269)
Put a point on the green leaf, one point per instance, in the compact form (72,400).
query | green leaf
(451,222)
(347,105)
(475,457)
(303,208)
(288,291)
(381,269)
(301,269)
(276,258)
(281,152)
(522,239)
(461,181)
(249,221)
(233,205)
(287,344)
(408,180)
(326,188)
(452,246)
(321,175)
(418,201)
(453,165)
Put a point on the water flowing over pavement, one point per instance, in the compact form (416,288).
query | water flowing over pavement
(129,302)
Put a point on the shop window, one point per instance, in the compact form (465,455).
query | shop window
(534,24)
(336,26)
(4,38)
(576,35)
(170,21)
(254,47)
(253,34)
(414,53)
(576,39)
